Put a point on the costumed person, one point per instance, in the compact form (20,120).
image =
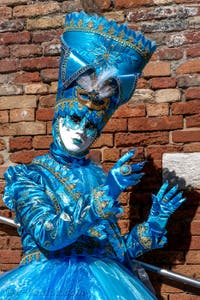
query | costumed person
(65,204)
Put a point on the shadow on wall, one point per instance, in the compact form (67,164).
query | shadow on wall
(179,227)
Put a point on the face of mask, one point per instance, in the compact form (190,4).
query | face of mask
(77,133)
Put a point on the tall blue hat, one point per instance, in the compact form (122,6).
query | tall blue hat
(93,48)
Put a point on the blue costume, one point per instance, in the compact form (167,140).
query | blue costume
(67,205)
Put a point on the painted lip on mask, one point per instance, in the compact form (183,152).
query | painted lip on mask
(77,141)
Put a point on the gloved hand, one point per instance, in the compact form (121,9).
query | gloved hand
(164,204)
(122,175)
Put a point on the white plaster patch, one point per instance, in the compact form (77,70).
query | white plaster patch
(182,168)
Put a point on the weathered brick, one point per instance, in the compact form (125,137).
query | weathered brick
(167,95)
(15,243)
(3,242)
(142,84)
(36,88)
(4,116)
(11,25)
(20,114)
(52,48)
(193,51)
(142,95)
(188,80)
(39,63)
(194,23)
(71,6)
(2,145)
(156,152)
(186,136)
(45,23)
(186,1)
(192,147)
(9,65)
(10,89)
(42,142)
(15,38)
(111,154)
(189,67)
(114,125)
(35,9)
(26,50)
(20,143)
(186,108)
(25,157)
(183,296)
(193,93)
(13,2)
(168,25)
(26,77)
(193,121)
(162,83)
(46,35)
(170,54)
(10,256)
(54,87)
(49,127)
(177,40)
(4,51)
(160,2)
(195,227)
(1,159)
(44,114)
(130,110)
(105,139)
(153,124)
(47,101)
(141,139)
(2,186)
(157,109)
(132,3)
(161,12)
(49,75)
(157,69)
(23,128)
(117,16)
(12,102)
(193,257)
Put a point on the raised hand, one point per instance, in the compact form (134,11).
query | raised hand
(164,204)
(122,175)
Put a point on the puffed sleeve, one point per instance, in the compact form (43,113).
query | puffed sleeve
(25,194)
(143,238)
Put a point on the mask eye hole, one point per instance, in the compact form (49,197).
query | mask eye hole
(90,126)
(76,119)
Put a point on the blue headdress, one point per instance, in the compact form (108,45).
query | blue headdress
(100,64)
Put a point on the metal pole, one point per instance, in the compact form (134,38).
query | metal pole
(8,221)
(169,274)
(163,272)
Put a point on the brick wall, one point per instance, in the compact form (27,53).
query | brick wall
(163,116)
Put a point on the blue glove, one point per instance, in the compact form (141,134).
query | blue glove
(164,204)
(122,175)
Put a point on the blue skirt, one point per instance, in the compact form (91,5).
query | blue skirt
(72,278)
